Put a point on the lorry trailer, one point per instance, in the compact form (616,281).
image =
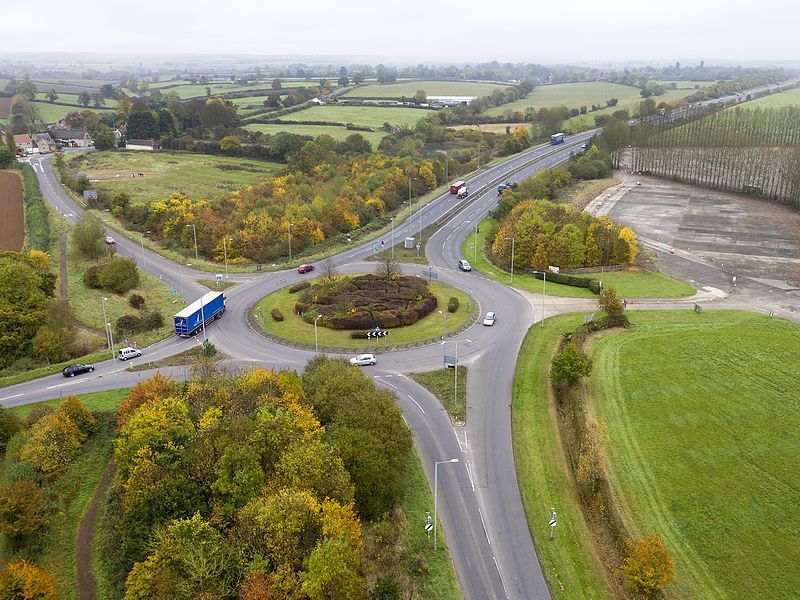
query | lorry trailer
(202,311)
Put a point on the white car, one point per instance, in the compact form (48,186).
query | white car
(489,319)
(127,353)
(363,359)
(109,240)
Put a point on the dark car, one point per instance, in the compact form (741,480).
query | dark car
(305,268)
(73,370)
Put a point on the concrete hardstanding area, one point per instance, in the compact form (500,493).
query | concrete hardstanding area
(749,237)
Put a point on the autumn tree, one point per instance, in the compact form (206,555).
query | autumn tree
(157,387)
(230,144)
(23,580)
(609,302)
(87,235)
(53,443)
(104,137)
(22,510)
(23,305)
(591,460)
(570,364)
(648,566)
(120,275)
(78,414)
(9,425)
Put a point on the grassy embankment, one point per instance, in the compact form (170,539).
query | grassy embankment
(73,491)
(702,416)
(294,329)
(441,383)
(629,284)
(432,88)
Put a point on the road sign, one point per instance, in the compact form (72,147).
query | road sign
(430,275)
(173,291)
(552,523)
(428,526)
(218,276)
(377,333)
(450,361)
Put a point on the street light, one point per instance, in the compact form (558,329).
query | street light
(316,337)
(194,229)
(512,259)
(290,240)
(444,330)
(436,492)
(455,370)
(544,291)
(225,241)
(108,330)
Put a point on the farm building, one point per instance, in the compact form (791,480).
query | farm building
(75,138)
(149,144)
(451,100)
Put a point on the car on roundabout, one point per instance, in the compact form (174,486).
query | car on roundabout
(77,369)
(363,360)
(305,269)
(489,319)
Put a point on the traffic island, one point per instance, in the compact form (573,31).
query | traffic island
(288,317)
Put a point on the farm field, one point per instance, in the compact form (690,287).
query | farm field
(337,133)
(432,88)
(788,98)
(632,106)
(702,418)
(490,127)
(12,219)
(199,90)
(52,113)
(685,84)
(196,175)
(368,116)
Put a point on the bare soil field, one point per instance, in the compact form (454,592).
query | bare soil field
(755,238)
(12,219)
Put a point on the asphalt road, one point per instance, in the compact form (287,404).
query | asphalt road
(479,502)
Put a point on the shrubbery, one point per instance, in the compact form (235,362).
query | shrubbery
(293,289)
(452,305)
(87,235)
(91,276)
(128,324)
(119,275)
(136,301)
(276,315)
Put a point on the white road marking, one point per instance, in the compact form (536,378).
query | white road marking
(469,474)
(486,531)
(417,403)
(500,575)
(9,397)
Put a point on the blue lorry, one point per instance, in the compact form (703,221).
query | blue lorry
(205,309)
(557,138)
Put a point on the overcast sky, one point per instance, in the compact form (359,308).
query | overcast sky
(426,31)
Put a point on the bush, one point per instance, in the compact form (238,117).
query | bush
(610,302)
(136,301)
(88,237)
(209,349)
(592,285)
(152,320)
(120,275)
(276,315)
(570,364)
(648,567)
(36,413)
(22,579)
(78,413)
(452,305)
(359,335)
(91,276)
(299,286)
(9,425)
(129,324)
(21,509)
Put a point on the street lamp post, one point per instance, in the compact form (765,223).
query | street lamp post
(475,246)
(105,320)
(225,241)
(316,337)
(290,240)
(392,237)
(455,370)
(444,329)
(194,230)
(436,493)
(512,258)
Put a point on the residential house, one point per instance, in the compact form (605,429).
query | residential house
(149,144)
(75,138)
(44,143)
(24,143)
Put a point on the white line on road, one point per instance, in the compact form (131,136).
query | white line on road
(378,377)
(417,403)
(469,474)
(9,397)
(486,531)
(500,575)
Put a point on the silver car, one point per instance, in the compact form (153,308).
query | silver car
(363,360)
(489,319)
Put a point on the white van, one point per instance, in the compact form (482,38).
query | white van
(463,192)
(464,265)
(127,353)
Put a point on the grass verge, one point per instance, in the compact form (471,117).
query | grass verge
(294,329)
(441,384)
(215,284)
(633,283)
(544,478)
(437,581)
(701,412)
(186,357)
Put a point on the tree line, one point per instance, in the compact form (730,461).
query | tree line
(754,151)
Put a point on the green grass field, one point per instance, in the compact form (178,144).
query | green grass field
(629,284)
(441,383)
(685,84)
(294,329)
(196,175)
(544,478)
(369,116)
(788,98)
(337,133)
(432,88)
(52,113)
(703,422)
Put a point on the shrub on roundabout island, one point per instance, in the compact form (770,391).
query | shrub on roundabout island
(366,302)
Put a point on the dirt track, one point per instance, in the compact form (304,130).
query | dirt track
(12,219)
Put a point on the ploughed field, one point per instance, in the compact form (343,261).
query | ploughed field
(703,415)
(12,222)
